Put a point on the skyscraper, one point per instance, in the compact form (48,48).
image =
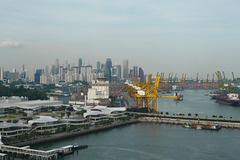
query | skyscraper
(23,72)
(135,71)
(125,69)
(108,69)
(98,67)
(1,73)
(141,74)
(37,75)
(57,66)
(80,64)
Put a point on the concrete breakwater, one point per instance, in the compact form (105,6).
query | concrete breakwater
(230,125)
(217,119)
(72,134)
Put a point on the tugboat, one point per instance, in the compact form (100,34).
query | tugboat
(199,125)
(77,146)
(179,96)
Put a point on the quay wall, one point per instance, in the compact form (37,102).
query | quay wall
(72,134)
(230,125)
(215,119)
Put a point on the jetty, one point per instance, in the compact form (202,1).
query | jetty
(27,153)
(229,125)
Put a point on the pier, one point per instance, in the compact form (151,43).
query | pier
(229,125)
(27,153)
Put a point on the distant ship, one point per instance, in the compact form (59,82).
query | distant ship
(200,125)
(214,94)
(229,99)
(179,96)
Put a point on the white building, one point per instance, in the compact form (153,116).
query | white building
(99,90)
(99,113)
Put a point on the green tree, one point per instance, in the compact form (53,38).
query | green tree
(62,114)
(68,114)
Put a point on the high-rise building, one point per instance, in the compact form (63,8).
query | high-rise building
(23,74)
(85,70)
(108,69)
(131,75)
(80,64)
(23,68)
(1,73)
(141,74)
(116,73)
(98,67)
(53,69)
(125,69)
(37,75)
(135,71)
(57,66)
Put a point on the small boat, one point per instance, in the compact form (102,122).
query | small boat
(77,146)
(179,96)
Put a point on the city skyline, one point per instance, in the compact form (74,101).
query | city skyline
(125,64)
(161,36)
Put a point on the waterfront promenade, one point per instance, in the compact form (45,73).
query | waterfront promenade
(176,119)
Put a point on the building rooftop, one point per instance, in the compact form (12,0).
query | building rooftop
(34,104)
(43,119)
(8,125)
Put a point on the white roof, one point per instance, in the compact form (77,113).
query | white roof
(8,125)
(103,110)
(36,104)
(43,119)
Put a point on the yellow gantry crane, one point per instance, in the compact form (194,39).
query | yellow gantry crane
(149,95)
(206,83)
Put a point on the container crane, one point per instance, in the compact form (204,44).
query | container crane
(150,95)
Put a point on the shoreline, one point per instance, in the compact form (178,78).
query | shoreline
(78,133)
(169,120)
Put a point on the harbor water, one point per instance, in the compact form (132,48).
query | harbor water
(149,141)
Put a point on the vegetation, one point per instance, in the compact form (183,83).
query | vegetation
(68,114)
(125,118)
(32,94)
(81,112)
(104,122)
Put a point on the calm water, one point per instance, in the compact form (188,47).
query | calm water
(194,101)
(158,141)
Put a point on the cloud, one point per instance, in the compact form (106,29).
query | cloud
(11,44)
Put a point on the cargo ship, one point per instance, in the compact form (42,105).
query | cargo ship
(229,99)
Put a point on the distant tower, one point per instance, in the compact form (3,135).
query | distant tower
(98,67)
(37,75)
(23,71)
(80,64)
(125,69)
(1,73)
(23,68)
(135,71)
(57,66)
(141,74)
(108,69)
(14,70)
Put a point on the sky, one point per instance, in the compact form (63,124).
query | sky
(187,36)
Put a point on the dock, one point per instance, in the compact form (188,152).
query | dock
(229,125)
(27,153)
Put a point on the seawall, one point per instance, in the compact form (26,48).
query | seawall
(71,134)
(230,125)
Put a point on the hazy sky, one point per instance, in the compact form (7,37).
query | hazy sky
(183,36)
